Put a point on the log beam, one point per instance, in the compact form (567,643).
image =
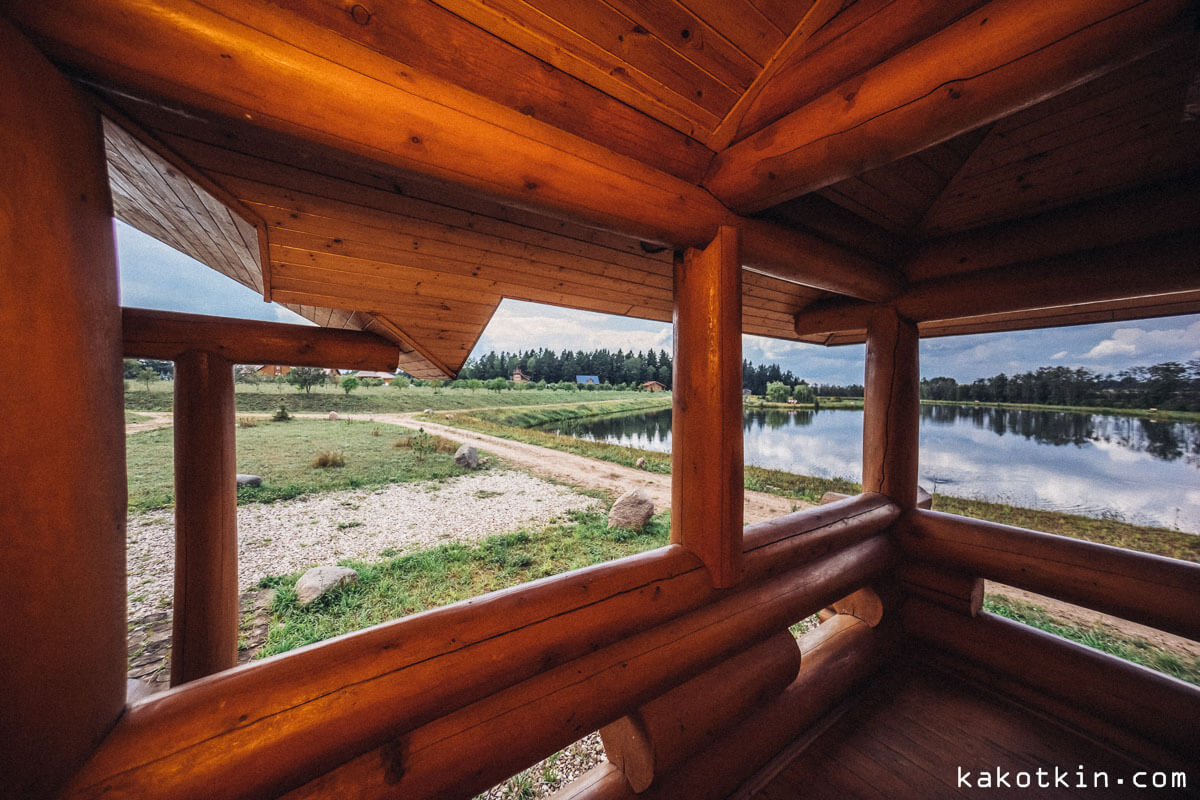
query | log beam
(169,335)
(1160,592)
(62,502)
(1128,695)
(1160,209)
(252,730)
(891,408)
(205,612)
(1005,56)
(663,733)
(243,60)
(1164,266)
(706,456)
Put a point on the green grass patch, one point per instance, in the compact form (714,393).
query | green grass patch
(132,418)
(1179,665)
(530,417)
(285,455)
(266,398)
(1158,541)
(1158,414)
(399,586)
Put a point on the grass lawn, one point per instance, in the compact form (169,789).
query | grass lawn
(131,417)
(432,578)
(1097,637)
(380,399)
(283,453)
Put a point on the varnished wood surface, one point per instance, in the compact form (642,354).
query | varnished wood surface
(912,729)
(62,499)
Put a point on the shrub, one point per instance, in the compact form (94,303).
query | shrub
(247,422)
(329,458)
(281,415)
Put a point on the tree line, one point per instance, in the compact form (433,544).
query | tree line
(1169,386)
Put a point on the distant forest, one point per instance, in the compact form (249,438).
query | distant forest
(1170,385)
(629,368)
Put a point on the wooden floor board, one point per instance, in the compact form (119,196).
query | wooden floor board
(915,727)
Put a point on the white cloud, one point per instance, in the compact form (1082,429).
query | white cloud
(1058,355)
(526,326)
(1149,344)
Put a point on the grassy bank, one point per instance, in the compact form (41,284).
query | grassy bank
(823,403)
(1130,648)
(372,399)
(284,454)
(432,578)
(1156,414)
(532,416)
(1159,541)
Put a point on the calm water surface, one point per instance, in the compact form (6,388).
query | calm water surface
(1138,470)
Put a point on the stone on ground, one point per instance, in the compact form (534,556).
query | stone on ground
(319,580)
(248,480)
(641,462)
(632,510)
(333,415)
(466,456)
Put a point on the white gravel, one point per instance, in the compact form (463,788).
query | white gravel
(284,537)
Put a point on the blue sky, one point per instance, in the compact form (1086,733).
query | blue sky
(155,276)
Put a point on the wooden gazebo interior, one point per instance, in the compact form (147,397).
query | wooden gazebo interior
(831,171)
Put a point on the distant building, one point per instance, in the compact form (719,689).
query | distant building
(386,377)
(593,380)
(520,377)
(653,386)
(273,370)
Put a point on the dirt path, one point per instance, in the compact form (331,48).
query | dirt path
(158,419)
(587,472)
(590,473)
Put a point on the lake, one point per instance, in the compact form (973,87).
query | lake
(1139,470)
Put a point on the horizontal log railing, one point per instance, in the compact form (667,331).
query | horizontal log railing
(1124,697)
(168,335)
(1163,593)
(835,657)
(575,651)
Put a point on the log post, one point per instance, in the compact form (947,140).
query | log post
(891,409)
(62,500)
(706,433)
(204,632)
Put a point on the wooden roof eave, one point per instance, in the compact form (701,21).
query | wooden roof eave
(987,65)
(244,62)
(1146,278)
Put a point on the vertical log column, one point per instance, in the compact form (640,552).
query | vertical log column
(706,432)
(62,497)
(204,637)
(891,408)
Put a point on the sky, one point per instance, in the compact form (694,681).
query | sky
(155,276)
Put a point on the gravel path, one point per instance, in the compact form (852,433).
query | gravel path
(278,538)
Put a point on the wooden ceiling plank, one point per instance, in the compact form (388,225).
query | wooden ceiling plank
(430,257)
(224,65)
(855,194)
(740,22)
(136,183)
(395,279)
(693,39)
(536,34)
(311,216)
(430,38)
(1135,158)
(366,201)
(993,62)
(783,14)
(856,38)
(1148,211)
(602,25)
(819,13)
(1138,269)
